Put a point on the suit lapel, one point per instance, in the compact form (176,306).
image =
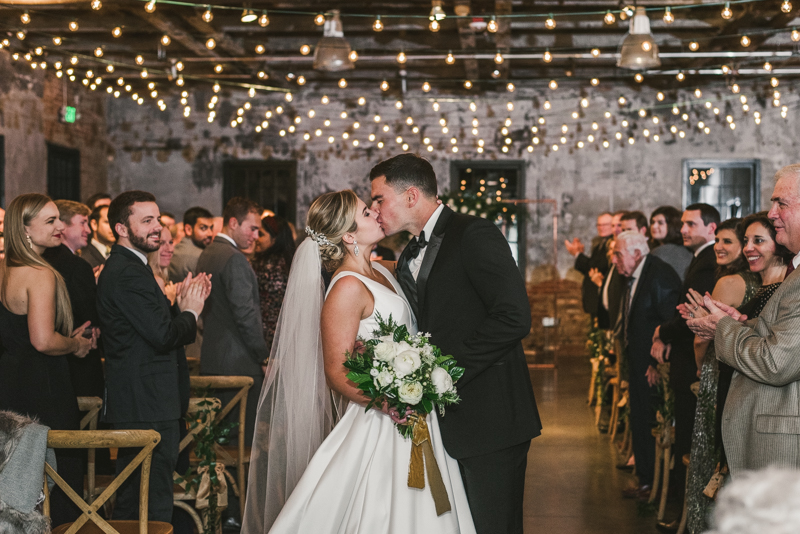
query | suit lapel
(640,284)
(431,251)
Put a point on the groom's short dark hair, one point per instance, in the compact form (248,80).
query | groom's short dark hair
(407,170)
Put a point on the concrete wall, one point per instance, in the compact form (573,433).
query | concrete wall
(29,104)
(180,159)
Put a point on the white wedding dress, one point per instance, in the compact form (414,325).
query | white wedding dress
(357,481)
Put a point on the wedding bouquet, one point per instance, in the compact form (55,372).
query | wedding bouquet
(405,371)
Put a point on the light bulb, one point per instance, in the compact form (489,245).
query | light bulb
(384,85)
(595,52)
(165,40)
(450,59)
(550,23)
(260,49)
(467,84)
(98,52)
(609,18)
(510,87)
(774,82)
(647,46)
(547,57)
(726,11)
(434,26)
(498,58)
(401,57)
(767,66)
(25,18)
(553,85)
(693,46)
(150,6)
(179,82)
(680,76)
(492,25)
(795,35)
(96,5)
(342,83)
(208,16)
(735,88)
(218,68)
(353,56)
(786,6)
(144,73)
(638,77)
(305,49)
(377,25)
(745,41)
(319,19)
(263,20)
(57,41)
(139,59)
(669,18)
(248,16)
(595,82)
(117,32)
(426,86)
(211,43)
(73,26)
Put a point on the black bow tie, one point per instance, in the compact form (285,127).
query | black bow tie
(417,244)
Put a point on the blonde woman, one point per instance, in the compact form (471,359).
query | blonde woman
(36,329)
(159,260)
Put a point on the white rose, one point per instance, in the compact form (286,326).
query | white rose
(441,380)
(410,392)
(463,209)
(385,351)
(406,363)
(384,379)
(373,372)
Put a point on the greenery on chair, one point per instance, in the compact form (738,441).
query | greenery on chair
(211,433)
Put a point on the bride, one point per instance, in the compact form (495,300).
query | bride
(357,479)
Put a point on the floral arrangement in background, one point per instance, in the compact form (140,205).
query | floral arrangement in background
(471,204)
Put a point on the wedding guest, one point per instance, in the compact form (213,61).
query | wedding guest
(652,290)
(612,285)
(634,221)
(99,248)
(2,218)
(198,225)
(159,261)
(168,220)
(272,265)
(143,336)
(36,326)
(597,260)
(2,246)
(86,373)
(666,240)
(736,285)
(98,199)
(699,222)
(233,338)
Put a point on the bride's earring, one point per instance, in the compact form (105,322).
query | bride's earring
(30,243)
(355,248)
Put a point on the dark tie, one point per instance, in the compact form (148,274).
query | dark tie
(621,329)
(417,244)
(789,269)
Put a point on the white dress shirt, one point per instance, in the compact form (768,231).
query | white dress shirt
(701,248)
(416,263)
(229,238)
(796,260)
(139,254)
(103,249)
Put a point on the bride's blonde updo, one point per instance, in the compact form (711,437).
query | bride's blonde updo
(330,217)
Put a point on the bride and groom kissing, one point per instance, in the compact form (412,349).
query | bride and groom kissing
(320,463)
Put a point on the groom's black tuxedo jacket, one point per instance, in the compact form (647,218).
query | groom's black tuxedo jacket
(471,298)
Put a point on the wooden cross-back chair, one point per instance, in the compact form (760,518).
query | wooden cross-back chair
(237,456)
(180,496)
(92,407)
(90,521)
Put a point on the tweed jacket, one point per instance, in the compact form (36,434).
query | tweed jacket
(761,420)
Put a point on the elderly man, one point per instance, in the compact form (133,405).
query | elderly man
(598,261)
(761,420)
(652,290)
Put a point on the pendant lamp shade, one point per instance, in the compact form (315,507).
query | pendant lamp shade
(332,53)
(639,49)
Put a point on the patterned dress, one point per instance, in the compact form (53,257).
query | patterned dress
(705,454)
(272,275)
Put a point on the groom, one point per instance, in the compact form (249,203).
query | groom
(466,290)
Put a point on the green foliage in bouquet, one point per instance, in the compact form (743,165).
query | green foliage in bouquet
(404,371)
(471,204)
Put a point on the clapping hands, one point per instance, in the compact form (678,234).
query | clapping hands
(596,277)
(705,327)
(193,292)
(694,307)
(574,247)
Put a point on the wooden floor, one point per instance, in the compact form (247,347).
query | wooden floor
(572,484)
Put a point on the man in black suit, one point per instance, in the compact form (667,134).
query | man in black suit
(598,260)
(86,373)
(465,289)
(652,290)
(142,340)
(674,341)
(98,249)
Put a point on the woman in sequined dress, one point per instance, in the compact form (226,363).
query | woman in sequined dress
(736,284)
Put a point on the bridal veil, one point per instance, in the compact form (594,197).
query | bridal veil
(296,411)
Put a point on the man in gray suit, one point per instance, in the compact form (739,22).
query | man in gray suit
(233,338)
(761,420)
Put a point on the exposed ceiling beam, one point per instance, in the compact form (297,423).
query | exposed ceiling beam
(466,36)
(223,40)
(503,36)
(166,26)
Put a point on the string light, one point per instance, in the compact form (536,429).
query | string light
(377,25)
(669,18)
(211,43)
(25,18)
(547,57)
(745,41)
(767,66)
(595,82)
(73,25)
(694,46)
(726,11)
(150,6)
(786,6)
(384,85)
(165,40)
(553,85)
(319,19)
(179,66)
(260,49)
(595,52)
(680,76)
(774,82)
(401,57)
(735,88)
(353,56)
(98,52)
(795,35)
(263,20)
(638,77)
(450,59)
(342,83)
(305,49)
(498,58)
(434,26)
(139,59)
(426,86)
(550,23)
(301,80)
(116,32)
(492,25)
(609,18)
(57,41)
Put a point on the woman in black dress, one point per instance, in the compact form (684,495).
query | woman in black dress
(36,329)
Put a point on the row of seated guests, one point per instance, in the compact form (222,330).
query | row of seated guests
(145,320)
(741,264)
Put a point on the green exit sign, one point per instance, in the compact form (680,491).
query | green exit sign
(68,114)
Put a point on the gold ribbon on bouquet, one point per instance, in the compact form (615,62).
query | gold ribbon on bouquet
(204,489)
(422,459)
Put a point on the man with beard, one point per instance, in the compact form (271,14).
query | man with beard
(142,337)
(198,227)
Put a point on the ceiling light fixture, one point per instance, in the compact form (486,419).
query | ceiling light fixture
(638,49)
(332,52)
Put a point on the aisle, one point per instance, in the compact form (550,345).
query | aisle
(572,484)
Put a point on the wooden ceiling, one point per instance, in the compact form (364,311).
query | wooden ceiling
(521,38)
